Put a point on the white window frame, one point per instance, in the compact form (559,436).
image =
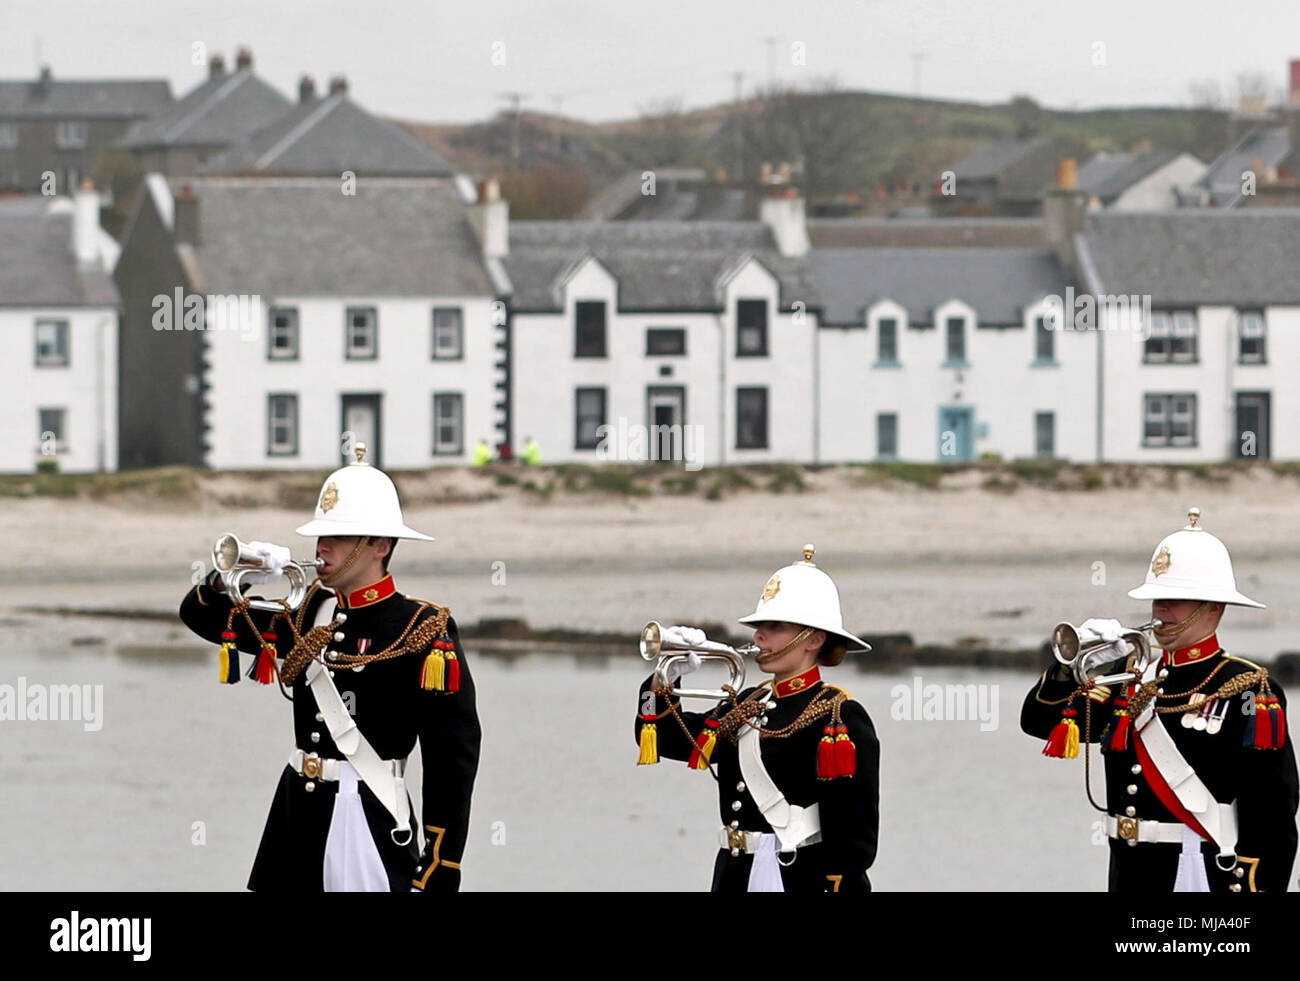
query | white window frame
(1042,330)
(1252,326)
(880,453)
(453,328)
(8,134)
(763,330)
(963,333)
(455,401)
(63,334)
(1038,448)
(60,434)
(274,330)
(361,352)
(1168,416)
(70,134)
(276,404)
(579,416)
(880,339)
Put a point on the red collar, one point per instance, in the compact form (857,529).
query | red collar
(369,595)
(1202,650)
(800,682)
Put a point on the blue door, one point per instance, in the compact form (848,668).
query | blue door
(956,434)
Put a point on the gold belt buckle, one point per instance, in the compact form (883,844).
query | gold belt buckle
(1128,829)
(736,839)
(311,767)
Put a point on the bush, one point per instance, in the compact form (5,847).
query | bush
(787,475)
(616,480)
(47,464)
(1091,479)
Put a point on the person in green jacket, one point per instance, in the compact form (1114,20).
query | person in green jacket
(532,454)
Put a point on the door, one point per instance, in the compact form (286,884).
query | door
(666,410)
(361,424)
(1252,436)
(956,434)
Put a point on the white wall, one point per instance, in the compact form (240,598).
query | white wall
(1155,191)
(404,374)
(547,374)
(86,388)
(1001,383)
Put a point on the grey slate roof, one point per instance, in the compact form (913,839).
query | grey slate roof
(282,236)
(998,283)
(659,265)
(1108,175)
(923,232)
(1270,147)
(990,160)
(1240,257)
(37,264)
(218,111)
(327,136)
(83,98)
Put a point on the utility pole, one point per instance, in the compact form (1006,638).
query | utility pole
(515,99)
(738,77)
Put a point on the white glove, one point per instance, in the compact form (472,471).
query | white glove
(1106,630)
(686,636)
(679,669)
(276,557)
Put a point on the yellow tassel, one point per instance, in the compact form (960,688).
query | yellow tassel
(225,661)
(431,678)
(649,744)
(1072,741)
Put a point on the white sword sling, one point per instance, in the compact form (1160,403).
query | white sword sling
(792,825)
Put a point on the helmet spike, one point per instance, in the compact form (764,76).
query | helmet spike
(1193,520)
(808,553)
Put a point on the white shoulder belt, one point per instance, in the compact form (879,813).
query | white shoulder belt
(793,825)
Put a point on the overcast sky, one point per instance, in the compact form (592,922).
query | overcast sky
(453,61)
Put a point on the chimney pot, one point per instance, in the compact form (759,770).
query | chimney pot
(1067,172)
(339,85)
(306,88)
(216,66)
(46,73)
(1295,82)
(243,59)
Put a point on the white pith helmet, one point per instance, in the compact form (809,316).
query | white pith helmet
(1192,564)
(359,500)
(801,593)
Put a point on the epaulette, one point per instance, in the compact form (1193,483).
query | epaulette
(441,669)
(1241,660)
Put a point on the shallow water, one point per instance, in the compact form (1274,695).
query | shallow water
(559,803)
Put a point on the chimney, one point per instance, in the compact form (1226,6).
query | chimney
(185,224)
(1295,83)
(85,224)
(306,89)
(243,59)
(47,74)
(489,217)
(339,85)
(216,66)
(783,212)
(1064,207)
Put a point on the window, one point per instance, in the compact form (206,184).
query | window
(70,134)
(1045,434)
(282,334)
(362,333)
(887,341)
(448,427)
(8,136)
(448,335)
(589,341)
(589,411)
(887,435)
(282,425)
(1044,342)
(665,340)
(751,328)
(51,342)
(1250,343)
(1173,338)
(52,428)
(1169,420)
(956,340)
(751,418)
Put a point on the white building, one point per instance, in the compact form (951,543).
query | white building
(329,317)
(706,329)
(1210,375)
(943,354)
(59,312)
(1146,181)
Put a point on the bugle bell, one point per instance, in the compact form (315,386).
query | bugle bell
(235,559)
(1086,660)
(666,652)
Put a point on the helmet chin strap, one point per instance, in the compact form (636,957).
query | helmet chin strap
(1170,633)
(347,563)
(799,638)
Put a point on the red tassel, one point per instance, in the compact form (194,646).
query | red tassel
(453,672)
(265,670)
(846,754)
(826,755)
(1279,724)
(1263,724)
(704,743)
(1064,737)
(1118,741)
